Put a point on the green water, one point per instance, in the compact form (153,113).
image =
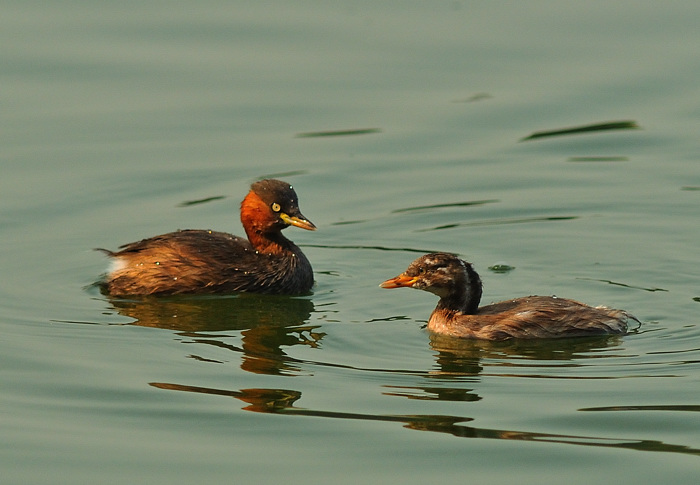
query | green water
(401,126)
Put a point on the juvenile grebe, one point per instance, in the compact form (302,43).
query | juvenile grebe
(458,313)
(200,261)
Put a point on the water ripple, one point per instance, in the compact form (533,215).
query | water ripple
(281,401)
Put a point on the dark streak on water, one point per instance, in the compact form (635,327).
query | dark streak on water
(281,401)
(577,130)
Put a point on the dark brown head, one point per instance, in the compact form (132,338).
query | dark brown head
(270,206)
(452,279)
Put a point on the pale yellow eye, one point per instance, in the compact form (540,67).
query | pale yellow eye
(276,207)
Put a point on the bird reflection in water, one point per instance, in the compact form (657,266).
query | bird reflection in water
(463,356)
(462,361)
(267,323)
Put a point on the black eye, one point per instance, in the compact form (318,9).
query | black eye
(275,207)
(421,270)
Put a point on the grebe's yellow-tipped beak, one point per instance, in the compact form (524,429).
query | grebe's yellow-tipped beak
(298,222)
(401,281)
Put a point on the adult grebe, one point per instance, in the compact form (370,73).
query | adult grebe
(201,261)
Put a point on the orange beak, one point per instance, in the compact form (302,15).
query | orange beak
(401,281)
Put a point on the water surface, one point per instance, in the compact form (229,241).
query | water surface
(401,128)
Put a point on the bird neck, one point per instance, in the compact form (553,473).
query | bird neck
(272,242)
(464,297)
